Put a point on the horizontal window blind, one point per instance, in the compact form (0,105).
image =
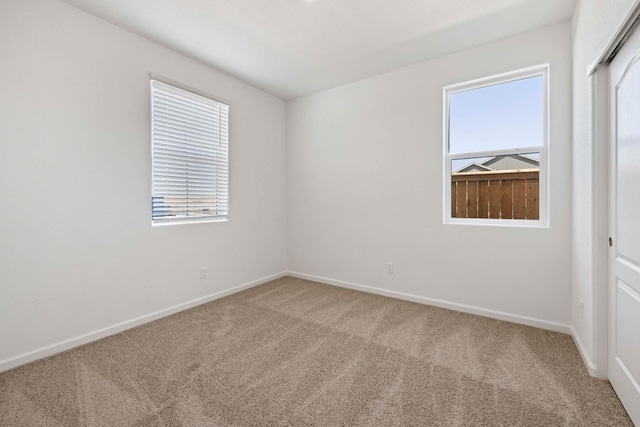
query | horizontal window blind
(190,156)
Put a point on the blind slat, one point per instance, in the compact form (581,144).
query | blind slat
(196,171)
(167,89)
(194,138)
(189,178)
(162,145)
(181,118)
(201,161)
(166,109)
(183,103)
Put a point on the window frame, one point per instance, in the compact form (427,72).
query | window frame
(198,92)
(543,221)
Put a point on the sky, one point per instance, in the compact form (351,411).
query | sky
(507,115)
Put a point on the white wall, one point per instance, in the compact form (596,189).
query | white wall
(595,23)
(365,188)
(77,250)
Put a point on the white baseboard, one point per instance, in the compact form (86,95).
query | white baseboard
(68,344)
(514,318)
(61,346)
(591,367)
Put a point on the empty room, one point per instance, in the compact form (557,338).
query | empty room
(319,213)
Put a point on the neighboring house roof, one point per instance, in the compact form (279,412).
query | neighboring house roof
(506,162)
(494,162)
(474,167)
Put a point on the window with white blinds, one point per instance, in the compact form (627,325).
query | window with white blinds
(190,156)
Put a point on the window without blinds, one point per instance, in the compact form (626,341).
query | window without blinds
(190,156)
(496,146)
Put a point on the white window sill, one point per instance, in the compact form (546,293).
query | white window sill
(195,221)
(524,223)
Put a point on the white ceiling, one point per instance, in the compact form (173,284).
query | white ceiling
(292,48)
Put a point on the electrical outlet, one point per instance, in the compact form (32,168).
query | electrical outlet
(391,268)
(203,272)
(581,309)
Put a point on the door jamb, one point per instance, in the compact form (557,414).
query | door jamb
(600,205)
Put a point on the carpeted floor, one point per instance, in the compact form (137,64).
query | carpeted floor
(297,353)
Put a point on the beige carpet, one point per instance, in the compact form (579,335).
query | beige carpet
(293,352)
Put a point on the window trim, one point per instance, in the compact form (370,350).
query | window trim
(543,221)
(151,77)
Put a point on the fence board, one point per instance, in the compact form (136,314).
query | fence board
(454,186)
(483,199)
(461,200)
(533,197)
(495,199)
(519,199)
(506,199)
(472,199)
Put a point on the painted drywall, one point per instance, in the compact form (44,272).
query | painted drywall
(365,187)
(595,23)
(77,249)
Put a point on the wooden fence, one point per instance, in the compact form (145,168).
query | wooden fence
(512,194)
